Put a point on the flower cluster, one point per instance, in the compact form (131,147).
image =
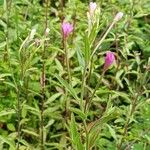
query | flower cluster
(67,28)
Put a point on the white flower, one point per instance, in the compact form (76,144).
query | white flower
(47,31)
(118,16)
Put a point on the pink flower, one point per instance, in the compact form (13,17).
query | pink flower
(67,28)
(92,6)
(109,59)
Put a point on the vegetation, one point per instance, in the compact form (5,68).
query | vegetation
(74,75)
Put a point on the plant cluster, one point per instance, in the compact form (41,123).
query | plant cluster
(74,75)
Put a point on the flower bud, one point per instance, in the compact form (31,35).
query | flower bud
(47,31)
(92,8)
(32,34)
(109,59)
(67,28)
(118,16)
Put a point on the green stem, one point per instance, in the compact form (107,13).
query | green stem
(67,61)
(8,8)
(19,119)
(69,75)
(83,87)
(87,105)
(87,136)
(43,82)
(91,60)
(103,38)
(127,123)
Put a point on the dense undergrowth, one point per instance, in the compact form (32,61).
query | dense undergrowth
(55,89)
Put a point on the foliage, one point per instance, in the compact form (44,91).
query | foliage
(54,92)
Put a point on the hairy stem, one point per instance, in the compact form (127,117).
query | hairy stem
(88,103)
(67,61)
(43,82)
(91,61)
(19,119)
(83,87)
(7,56)
(87,136)
(127,123)
(103,38)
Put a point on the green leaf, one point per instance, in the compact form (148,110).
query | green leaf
(23,112)
(10,84)
(87,49)
(80,56)
(96,126)
(59,66)
(112,132)
(75,136)
(118,78)
(2,44)
(138,146)
(33,110)
(3,24)
(68,87)
(50,110)
(78,112)
(107,116)
(33,133)
(121,94)
(7,112)
(9,142)
(11,127)
(4,75)
(52,98)
(50,123)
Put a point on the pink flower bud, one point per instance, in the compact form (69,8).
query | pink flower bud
(67,28)
(118,16)
(109,59)
(92,6)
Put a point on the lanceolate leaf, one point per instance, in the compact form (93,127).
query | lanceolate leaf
(75,136)
(7,141)
(78,112)
(68,87)
(7,112)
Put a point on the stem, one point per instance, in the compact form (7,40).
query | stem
(19,119)
(127,123)
(88,80)
(103,38)
(69,76)
(8,11)
(91,60)
(82,87)
(67,61)
(43,83)
(87,135)
(74,27)
(42,106)
(88,103)
(62,3)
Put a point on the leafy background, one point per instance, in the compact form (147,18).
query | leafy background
(124,87)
